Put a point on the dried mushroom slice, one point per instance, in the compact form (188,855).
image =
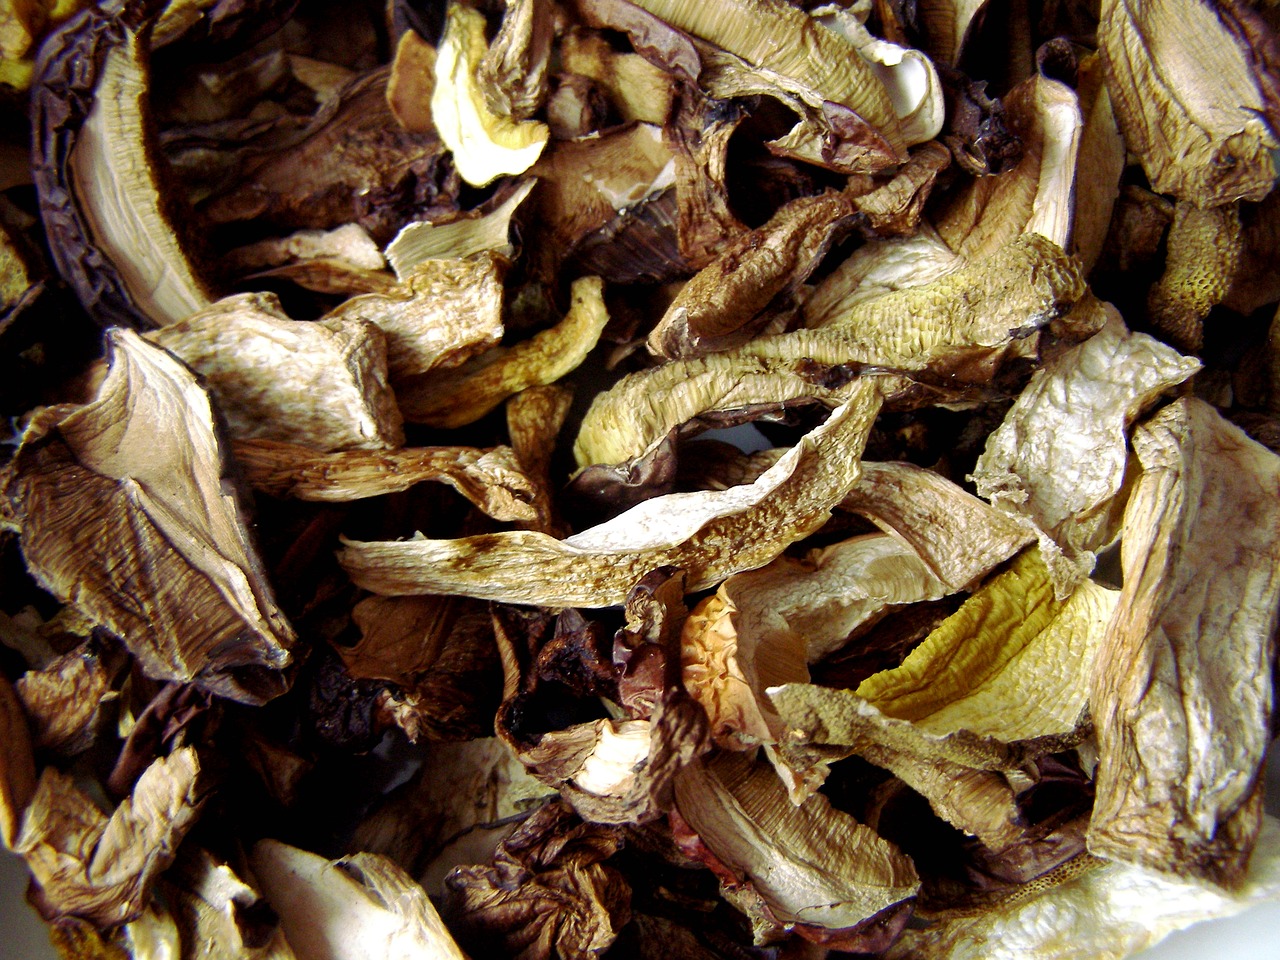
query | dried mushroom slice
(811,869)
(710,534)
(636,88)
(102,868)
(467,793)
(968,321)
(458,397)
(442,313)
(715,310)
(1088,909)
(633,419)
(98,178)
(351,163)
(17,765)
(1059,459)
(1036,195)
(535,417)
(485,145)
(411,83)
(958,537)
(124,506)
(1099,165)
(1196,100)
(491,479)
(357,906)
(514,71)
(210,909)
(486,229)
(1000,682)
(880,267)
(321,384)
(548,891)
(853,126)
(1189,650)
(65,700)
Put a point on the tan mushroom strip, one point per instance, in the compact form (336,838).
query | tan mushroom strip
(491,479)
(1059,459)
(462,396)
(17,765)
(535,417)
(322,384)
(812,869)
(710,534)
(1196,100)
(485,229)
(957,329)
(441,314)
(98,867)
(1001,681)
(1181,691)
(715,309)
(1036,195)
(124,507)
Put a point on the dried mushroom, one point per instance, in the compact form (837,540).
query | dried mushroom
(638,478)
(160,514)
(1176,641)
(1195,96)
(101,868)
(335,394)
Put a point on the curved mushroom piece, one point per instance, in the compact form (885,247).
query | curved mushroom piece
(97,176)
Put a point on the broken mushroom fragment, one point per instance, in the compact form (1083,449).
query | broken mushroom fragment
(812,869)
(442,313)
(486,229)
(98,867)
(322,384)
(349,909)
(1196,98)
(125,507)
(1189,652)
(461,396)
(485,145)
(1059,459)
(491,479)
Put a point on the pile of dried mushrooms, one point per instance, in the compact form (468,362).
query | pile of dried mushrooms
(638,478)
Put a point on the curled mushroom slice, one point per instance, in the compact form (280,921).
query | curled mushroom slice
(514,70)
(957,537)
(124,505)
(1088,908)
(98,867)
(487,228)
(321,384)
(98,179)
(716,308)
(1195,97)
(491,479)
(853,126)
(810,869)
(350,908)
(1037,194)
(1189,650)
(485,145)
(458,397)
(710,534)
(1059,459)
